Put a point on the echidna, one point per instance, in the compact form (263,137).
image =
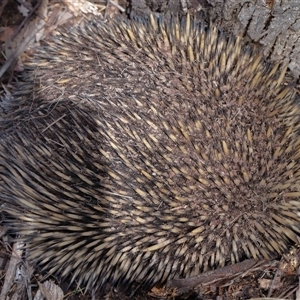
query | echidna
(145,150)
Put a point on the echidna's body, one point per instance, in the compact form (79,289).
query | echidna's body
(142,152)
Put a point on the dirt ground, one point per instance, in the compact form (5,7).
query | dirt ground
(23,24)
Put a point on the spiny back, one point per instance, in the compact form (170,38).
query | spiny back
(148,150)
